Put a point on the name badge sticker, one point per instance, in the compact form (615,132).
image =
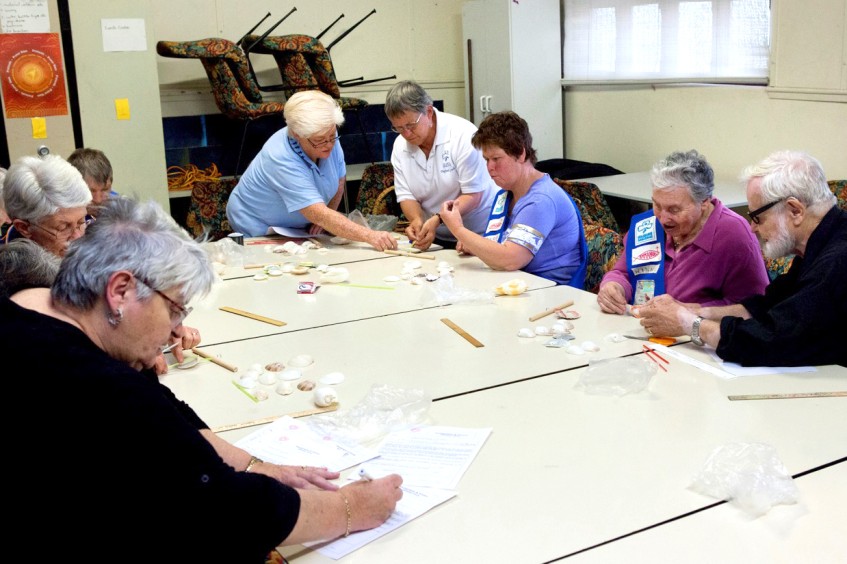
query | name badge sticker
(645,231)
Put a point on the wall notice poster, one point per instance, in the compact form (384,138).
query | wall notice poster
(33,75)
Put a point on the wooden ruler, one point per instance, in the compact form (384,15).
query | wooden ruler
(789,396)
(276,322)
(464,334)
(273,418)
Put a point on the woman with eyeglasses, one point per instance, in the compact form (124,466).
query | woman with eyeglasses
(688,245)
(154,482)
(46,200)
(298,178)
(434,161)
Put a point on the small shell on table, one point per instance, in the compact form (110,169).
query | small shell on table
(322,267)
(526,333)
(412,264)
(267,378)
(511,288)
(285,388)
(325,396)
(391,278)
(335,275)
(306,385)
(590,346)
(300,270)
(568,314)
(339,241)
(274,366)
(188,361)
(301,360)
(290,374)
(541,330)
(431,277)
(331,379)
(260,395)
(260,276)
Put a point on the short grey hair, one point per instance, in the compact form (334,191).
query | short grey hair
(795,174)
(406,96)
(26,264)
(36,187)
(311,111)
(92,163)
(685,169)
(141,238)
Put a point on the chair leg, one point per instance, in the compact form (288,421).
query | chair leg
(364,135)
(241,147)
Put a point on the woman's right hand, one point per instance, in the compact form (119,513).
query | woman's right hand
(612,298)
(382,240)
(372,501)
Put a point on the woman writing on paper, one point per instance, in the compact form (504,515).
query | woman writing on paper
(120,292)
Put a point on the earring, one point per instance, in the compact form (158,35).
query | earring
(115,319)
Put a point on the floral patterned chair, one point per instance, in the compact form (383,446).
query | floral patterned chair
(376,192)
(207,210)
(604,247)
(593,206)
(236,92)
(839,188)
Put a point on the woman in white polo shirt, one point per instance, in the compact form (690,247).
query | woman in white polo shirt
(434,161)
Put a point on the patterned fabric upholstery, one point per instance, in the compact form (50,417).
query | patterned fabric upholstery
(207,210)
(593,206)
(233,84)
(604,246)
(304,64)
(839,188)
(376,191)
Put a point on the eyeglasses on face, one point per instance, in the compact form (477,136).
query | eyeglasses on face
(408,127)
(320,144)
(754,214)
(178,312)
(67,230)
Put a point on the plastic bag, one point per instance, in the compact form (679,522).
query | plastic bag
(383,410)
(616,376)
(382,222)
(356,217)
(748,475)
(445,292)
(226,251)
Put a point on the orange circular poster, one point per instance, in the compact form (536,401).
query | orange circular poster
(33,81)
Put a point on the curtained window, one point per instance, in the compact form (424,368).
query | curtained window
(720,41)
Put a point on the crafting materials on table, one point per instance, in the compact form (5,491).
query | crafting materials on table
(408,254)
(253,316)
(789,396)
(272,418)
(464,334)
(658,340)
(551,311)
(214,360)
(245,391)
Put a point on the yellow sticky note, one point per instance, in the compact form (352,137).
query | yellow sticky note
(122,108)
(39,128)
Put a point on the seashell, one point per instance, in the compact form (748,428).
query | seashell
(219,267)
(274,271)
(339,241)
(322,267)
(614,338)
(300,270)
(252,373)
(301,361)
(290,374)
(590,346)
(416,280)
(391,278)
(260,276)
(306,385)
(279,249)
(285,388)
(293,248)
(574,349)
(188,361)
(260,395)
(267,378)
(274,367)
(511,288)
(247,380)
(326,396)
(432,277)
(568,314)
(406,276)
(444,264)
(542,330)
(412,264)
(256,367)
(332,378)
(560,329)
(309,245)
(526,332)
(287,267)
(335,275)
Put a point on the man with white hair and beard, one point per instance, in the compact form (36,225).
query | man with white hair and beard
(800,318)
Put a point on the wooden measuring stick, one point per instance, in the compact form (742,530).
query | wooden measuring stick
(215,360)
(273,418)
(408,254)
(253,316)
(464,334)
(789,396)
(547,312)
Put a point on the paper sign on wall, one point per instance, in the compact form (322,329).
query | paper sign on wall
(24,16)
(124,34)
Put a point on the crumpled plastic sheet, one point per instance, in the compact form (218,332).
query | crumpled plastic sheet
(616,376)
(444,291)
(383,410)
(748,475)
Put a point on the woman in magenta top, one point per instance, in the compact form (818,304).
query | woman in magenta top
(711,256)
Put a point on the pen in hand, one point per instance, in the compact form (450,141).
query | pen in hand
(363,475)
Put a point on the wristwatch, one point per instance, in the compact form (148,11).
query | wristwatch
(695,331)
